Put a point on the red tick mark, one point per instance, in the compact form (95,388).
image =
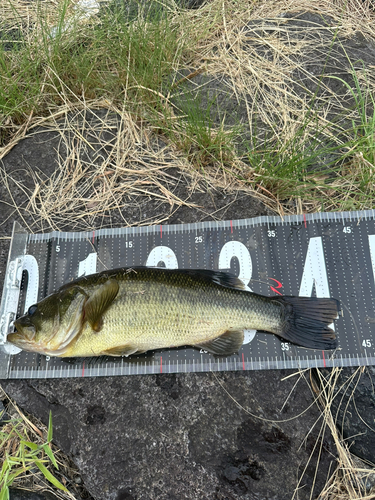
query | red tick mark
(279,285)
(324,359)
(304,220)
(161,231)
(93,237)
(231,227)
(83,369)
(243,362)
(161,364)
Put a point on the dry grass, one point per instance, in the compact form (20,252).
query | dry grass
(107,162)
(248,43)
(26,14)
(230,48)
(353,479)
(26,428)
(108,165)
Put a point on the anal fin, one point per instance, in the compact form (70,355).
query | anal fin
(224,345)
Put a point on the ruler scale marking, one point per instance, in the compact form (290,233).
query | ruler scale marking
(57,254)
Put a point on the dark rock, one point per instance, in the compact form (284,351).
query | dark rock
(181,436)
(124,494)
(342,55)
(15,494)
(11,39)
(95,415)
(3,414)
(149,9)
(191,4)
(170,384)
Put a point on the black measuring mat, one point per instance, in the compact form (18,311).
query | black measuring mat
(323,255)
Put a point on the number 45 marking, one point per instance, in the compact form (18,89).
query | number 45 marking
(366,343)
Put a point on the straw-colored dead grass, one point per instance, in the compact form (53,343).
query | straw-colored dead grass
(263,80)
(27,428)
(353,479)
(16,14)
(26,14)
(247,43)
(107,162)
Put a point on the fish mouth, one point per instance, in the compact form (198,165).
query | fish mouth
(14,337)
(25,340)
(19,340)
(22,334)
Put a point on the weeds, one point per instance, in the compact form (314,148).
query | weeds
(21,456)
(126,58)
(194,133)
(28,458)
(111,58)
(363,140)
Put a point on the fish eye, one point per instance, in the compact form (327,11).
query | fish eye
(32,310)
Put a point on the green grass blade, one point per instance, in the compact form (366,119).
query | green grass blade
(4,493)
(4,473)
(30,445)
(46,473)
(50,429)
(50,454)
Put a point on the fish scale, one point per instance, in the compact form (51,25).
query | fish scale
(172,313)
(330,254)
(133,310)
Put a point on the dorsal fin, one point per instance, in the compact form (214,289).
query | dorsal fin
(219,277)
(98,303)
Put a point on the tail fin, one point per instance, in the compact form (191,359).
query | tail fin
(306,321)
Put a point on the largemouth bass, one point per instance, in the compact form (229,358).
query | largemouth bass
(132,310)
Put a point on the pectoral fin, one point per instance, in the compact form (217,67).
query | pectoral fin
(228,343)
(98,303)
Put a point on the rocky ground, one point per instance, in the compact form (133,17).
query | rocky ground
(184,437)
(225,436)
(252,435)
